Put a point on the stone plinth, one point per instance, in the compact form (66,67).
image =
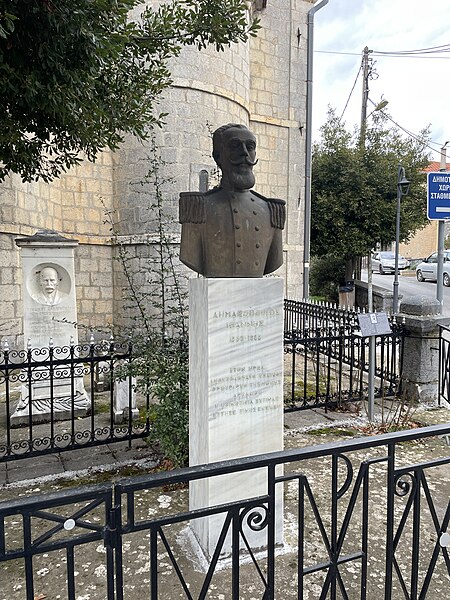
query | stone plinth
(125,400)
(235,390)
(421,349)
(50,318)
(383,299)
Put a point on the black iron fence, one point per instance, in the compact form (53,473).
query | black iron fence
(300,315)
(54,399)
(328,359)
(359,520)
(60,398)
(444,364)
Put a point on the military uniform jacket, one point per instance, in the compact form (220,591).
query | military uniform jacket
(231,234)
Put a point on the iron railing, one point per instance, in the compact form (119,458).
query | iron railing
(360,521)
(328,359)
(326,365)
(111,411)
(444,364)
(301,315)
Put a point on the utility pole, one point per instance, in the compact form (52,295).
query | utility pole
(365,95)
(441,241)
(362,144)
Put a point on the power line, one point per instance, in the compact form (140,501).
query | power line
(411,56)
(351,92)
(336,52)
(396,54)
(430,50)
(412,135)
(419,53)
(383,55)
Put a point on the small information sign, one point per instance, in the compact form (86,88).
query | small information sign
(374,324)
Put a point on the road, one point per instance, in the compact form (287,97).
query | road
(409,286)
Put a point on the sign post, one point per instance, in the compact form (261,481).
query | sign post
(371,325)
(438,209)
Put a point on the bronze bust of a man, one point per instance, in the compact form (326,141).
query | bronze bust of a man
(232,231)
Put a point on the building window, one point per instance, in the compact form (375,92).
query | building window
(203,181)
(259,4)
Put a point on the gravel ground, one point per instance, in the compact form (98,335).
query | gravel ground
(90,559)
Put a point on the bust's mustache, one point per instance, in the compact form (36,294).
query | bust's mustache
(243,161)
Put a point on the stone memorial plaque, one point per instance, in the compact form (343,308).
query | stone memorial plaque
(50,318)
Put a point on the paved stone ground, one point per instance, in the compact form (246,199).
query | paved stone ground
(78,463)
(50,473)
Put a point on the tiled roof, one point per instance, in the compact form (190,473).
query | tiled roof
(435,166)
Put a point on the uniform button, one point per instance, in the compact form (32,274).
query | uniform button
(256,228)
(235,210)
(237,226)
(258,245)
(252,199)
(238,244)
(254,212)
(257,263)
(238,261)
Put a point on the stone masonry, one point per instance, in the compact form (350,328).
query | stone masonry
(260,84)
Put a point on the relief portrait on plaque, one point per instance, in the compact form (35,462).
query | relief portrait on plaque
(49,285)
(231,230)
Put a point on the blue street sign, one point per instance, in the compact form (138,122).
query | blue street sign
(438,196)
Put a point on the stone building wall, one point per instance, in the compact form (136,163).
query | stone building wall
(278,114)
(73,205)
(423,243)
(260,84)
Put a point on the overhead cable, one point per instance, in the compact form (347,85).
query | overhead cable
(410,133)
(351,92)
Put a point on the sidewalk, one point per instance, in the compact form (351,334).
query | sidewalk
(118,456)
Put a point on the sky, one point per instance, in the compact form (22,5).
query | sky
(417,89)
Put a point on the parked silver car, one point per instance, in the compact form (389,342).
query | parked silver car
(384,262)
(427,269)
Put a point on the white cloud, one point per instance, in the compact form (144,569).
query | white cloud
(417,88)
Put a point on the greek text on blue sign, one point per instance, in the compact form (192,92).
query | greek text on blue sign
(438,196)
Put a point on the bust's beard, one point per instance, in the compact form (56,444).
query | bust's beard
(242,178)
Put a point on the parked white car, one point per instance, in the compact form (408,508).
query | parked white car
(427,269)
(384,262)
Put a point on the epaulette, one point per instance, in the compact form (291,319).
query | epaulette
(192,207)
(277,210)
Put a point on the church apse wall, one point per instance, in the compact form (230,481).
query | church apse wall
(260,84)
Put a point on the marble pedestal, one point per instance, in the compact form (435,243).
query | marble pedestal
(65,403)
(236,393)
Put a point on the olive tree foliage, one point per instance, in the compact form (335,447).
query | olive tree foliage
(354,187)
(77,75)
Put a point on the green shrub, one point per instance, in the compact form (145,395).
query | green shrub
(169,417)
(326,275)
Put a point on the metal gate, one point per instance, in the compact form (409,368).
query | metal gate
(360,521)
